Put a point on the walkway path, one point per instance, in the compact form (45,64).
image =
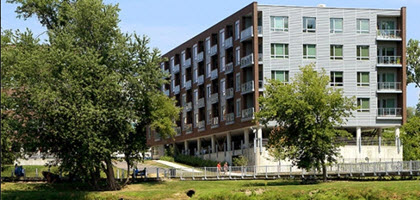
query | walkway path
(175,165)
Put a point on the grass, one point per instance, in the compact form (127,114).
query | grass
(240,189)
(30,170)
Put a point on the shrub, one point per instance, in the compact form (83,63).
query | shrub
(195,161)
(240,161)
(167,158)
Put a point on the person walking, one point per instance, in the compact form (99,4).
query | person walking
(219,168)
(226,167)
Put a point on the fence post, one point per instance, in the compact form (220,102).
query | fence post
(230,172)
(36,172)
(338,170)
(411,167)
(361,166)
(242,172)
(278,170)
(205,173)
(386,168)
(290,173)
(193,178)
(217,174)
(399,167)
(351,166)
(255,171)
(157,173)
(266,169)
(303,176)
(181,175)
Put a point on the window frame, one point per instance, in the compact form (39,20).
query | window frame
(360,82)
(238,108)
(359,50)
(333,52)
(360,104)
(305,25)
(285,50)
(359,26)
(285,75)
(307,56)
(333,29)
(238,82)
(237,30)
(285,20)
(333,81)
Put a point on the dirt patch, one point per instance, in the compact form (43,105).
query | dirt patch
(254,191)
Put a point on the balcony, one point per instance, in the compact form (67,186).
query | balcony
(248,114)
(247,60)
(260,85)
(200,57)
(175,69)
(200,79)
(214,98)
(178,131)
(260,58)
(389,61)
(213,50)
(389,113)
(176,89)
(228,43)
(260,31)
(230,118)
(214,122)
(166,71)
(200,103)
(188,106)
(188,84)
(201,125)
(214,74)
(187,63)
(389,35)
(229,68)
(247,87)
(188,128)
(229,93)
(247,33)
(389,87)
(166,92)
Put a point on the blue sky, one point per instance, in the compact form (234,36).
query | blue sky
(171,22)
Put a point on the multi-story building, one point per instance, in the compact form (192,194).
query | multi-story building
(218,75)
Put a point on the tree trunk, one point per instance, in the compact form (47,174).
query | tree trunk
(324,172)
(110,178)
(127,160)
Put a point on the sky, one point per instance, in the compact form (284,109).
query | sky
(169,23)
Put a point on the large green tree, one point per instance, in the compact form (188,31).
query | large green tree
(308,113)
(413,62)
(89,91)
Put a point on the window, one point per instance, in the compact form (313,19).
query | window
(238,82)
(336,79)
(222,38)
(279,23)
(282,76)
(195,52)
(336,52)
(309,24)
(362,25)
(238,56)
(363,104)
(208,45)
(209,91)
(222,64)
(208,70)
(238,108)
(309,51)
(223,87)
(237,30)
(195,74)
(362,52)
(223,113)
(336,25)
(362,78)
(195,96)
(279,51)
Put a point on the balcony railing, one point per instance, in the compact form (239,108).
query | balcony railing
(214,74)
(393,86)
(228,43)
(200,57)
(178,131)
(389,112)
(200,102)
(188,128)
(229,68)
(166,92)
(166,71)
(187,63)
(260,85)
(175,69)
(260,58)
(230,118)
(215,122)
(247,60)
(201,125)
(247,33)
(176,89)
(229,93)
(389,60)
(247,87)
(213,50)
(260,30)
(188,84)
(392,34)
(248,113)
(200,79)
(188,106)
(214,98)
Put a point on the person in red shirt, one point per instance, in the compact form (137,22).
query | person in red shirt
(219,168)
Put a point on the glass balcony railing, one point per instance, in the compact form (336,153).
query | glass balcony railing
(247,60)
(201,125)
(229,93)
(394,86)
(229,68)
(214,122)
(200,57)
(214,98)
(176,89)
(200,79)
(214,74)
(187,63)
(188,106)
(188,84)
(247,33)
(228,43)
(200,102)
(178,131)
(389,60)
(389,112)
(230,118)
(175,69)
(213,50)
(389,34)
(247,87)
(248,113)
(188,128)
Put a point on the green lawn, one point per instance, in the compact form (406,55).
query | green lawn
(241,189)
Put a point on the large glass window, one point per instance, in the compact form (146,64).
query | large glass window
(336,52)
(362,78)
(309,51)
(362,52)
(336,79)
(279,23)
(282,76)
(363,104)
(362,25)
(238,56)
(279,50)
(336,25)
(309,24)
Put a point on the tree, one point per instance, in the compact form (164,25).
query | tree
(413,62)
(89,91)
(411,138)
(308,114)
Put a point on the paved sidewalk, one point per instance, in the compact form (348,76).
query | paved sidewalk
(177,166)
